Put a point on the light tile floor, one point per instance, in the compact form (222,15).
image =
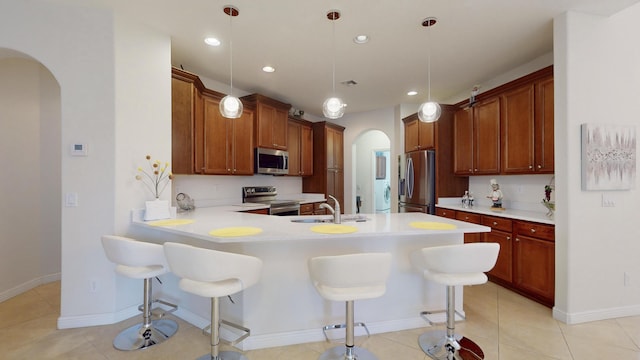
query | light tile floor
(506,326)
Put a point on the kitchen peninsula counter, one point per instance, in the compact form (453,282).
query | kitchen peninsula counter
(284,308)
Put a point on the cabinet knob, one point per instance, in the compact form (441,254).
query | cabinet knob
(476,170)
(530,166)
(533,230)
(517,239)
(495,223)
(470,170)
(539,166)
(466,218)
(509,238)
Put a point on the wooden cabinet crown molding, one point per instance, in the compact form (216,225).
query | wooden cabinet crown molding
(536,75)
(254,99)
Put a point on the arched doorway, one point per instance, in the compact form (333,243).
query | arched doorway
(30,154)
(372,187)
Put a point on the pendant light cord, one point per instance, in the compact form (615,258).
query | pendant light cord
(333,34)
(429,64)
(231,49)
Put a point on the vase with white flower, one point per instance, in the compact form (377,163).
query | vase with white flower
(155,178)
(546,201)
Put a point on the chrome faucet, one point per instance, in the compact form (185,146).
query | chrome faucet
(335,212)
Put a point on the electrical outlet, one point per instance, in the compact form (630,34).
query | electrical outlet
(607,201)
(627,279)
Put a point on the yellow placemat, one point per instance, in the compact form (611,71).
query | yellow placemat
(430,225)
(334,229)
(236,231)
(171,222)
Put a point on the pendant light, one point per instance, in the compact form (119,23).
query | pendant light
(429,111)
(230,106)
(333,107)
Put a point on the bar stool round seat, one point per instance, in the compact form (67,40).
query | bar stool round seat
(348,278)
(141,260)
(214,274)
(454,265)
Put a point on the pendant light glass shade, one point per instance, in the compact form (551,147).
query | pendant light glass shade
(230,106)
(429,111)
(333,107)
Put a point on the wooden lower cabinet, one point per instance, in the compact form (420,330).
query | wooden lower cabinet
(526,262)
(258,211)
(312,209)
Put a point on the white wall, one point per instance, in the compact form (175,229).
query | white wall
(597,81)
(29,143)
(92,62)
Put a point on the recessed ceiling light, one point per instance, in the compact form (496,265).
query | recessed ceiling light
(412,93)
(361,39)
(268,69)
(212,41)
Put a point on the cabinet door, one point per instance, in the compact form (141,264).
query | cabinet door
(264,125)
(183,107)
(335,187)
(463,142)
(279,129)
(544,126)
(242,141)
(535,267)
(334,149)
(504,265)
(306,150)
(451,214)
(486,136)
(294,148)
(472,218)
(411,136)
(518,130)
(217,148)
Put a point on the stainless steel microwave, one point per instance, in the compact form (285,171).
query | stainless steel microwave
(270,161)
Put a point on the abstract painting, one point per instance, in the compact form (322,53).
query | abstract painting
(608,157)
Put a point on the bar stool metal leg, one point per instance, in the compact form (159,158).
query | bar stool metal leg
(216,354)
(149,332)
(349,351)
(446,345)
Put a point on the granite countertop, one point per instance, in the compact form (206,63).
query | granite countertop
(526,215)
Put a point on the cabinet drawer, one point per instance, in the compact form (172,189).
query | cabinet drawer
(469,217)
(536,230)
(306,209)
(497,223)
(451,214)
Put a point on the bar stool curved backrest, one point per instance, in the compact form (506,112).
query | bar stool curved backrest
(141,260)
(213,274)
(348,278)
(454,265)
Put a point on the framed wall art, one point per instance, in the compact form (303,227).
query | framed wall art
(608,157)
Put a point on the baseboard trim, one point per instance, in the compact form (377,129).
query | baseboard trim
(24,287)
(595,315)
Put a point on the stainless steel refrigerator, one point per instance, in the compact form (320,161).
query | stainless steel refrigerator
(417,182)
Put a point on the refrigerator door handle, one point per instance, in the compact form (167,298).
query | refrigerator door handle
(410,177)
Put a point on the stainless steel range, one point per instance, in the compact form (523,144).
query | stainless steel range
(267,195)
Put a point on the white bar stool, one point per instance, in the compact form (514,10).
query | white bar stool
(454,265)
(348,278)
(213,274)
(141,260)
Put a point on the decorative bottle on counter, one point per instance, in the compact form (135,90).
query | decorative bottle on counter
(465,200)
(470,201)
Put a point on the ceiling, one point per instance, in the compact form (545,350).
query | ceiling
(473,42)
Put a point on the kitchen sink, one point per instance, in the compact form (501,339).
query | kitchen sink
(344,218)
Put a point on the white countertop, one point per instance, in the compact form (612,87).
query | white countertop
(534,216)
(281,228)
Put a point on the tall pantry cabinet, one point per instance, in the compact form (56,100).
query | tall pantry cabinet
(328,162)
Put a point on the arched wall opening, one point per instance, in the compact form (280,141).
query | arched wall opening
(30,143)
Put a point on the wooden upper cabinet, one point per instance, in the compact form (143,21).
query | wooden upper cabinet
(228,143)
(186,108)
(300,148)
(335,148)
(271,121)
(518,130)
(544,126)
(527,125)
(418,135)
(477,139)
